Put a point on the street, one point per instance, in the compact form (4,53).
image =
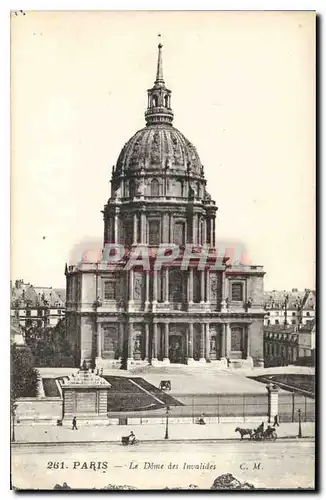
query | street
(280,464)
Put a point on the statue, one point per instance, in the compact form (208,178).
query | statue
(138,287)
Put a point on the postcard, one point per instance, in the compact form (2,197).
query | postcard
(163,331)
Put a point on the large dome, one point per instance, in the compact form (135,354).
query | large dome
(158,147)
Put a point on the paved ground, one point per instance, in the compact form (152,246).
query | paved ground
(198,379)
(149,432)
(280,464)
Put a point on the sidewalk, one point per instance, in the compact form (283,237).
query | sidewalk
(150,432)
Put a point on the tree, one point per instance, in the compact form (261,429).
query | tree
(24,379)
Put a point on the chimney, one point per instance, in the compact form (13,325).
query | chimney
(294,289)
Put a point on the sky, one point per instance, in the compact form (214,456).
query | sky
(243,92)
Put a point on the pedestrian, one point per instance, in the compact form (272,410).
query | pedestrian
(276,421)
(74,424)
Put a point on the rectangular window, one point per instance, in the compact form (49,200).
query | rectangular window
(236,339)
(109,290)
(293,322)
(308,313)
(128,232)
(293,314)
(277,322)
(237,292)
(154,232)
(178,237)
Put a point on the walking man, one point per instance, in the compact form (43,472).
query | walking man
(276,421)
(74,424)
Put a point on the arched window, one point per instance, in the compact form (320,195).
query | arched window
(155,101)
(166,101)
(178,188)
(155,187)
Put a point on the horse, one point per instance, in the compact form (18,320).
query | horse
(244,432)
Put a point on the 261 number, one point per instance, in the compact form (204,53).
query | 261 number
(56,465)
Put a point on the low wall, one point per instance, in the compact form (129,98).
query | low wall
(34,409)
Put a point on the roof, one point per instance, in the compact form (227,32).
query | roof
(275,299)
(309,300)
(26,295)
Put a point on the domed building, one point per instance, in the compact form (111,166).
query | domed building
(192,307)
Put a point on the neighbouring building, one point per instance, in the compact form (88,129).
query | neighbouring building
(36,306)
(308,307)
(16,334)
(289,307)
(172,314)
(290,344)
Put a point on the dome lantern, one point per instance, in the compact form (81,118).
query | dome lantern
(159,98)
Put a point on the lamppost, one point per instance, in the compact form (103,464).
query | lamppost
(300,431)
(167,423)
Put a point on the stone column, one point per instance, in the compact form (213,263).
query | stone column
(191,286)
(166,238)
(147,277)
(228,340)
(135,229)
(146,341)
(130,341)
(142,227)
(223,341)
(214,232)
(194,229)
(171,229)
(211,232)
(202,344)
(207,342)
(207,286)
(166,343)
(99,344)
(204,232)
(131,285)
(154,286)
(272,391)
(166,284)
(248,342)
(202,287)
(121,337)
(154,343)
(191,343)
(116,228)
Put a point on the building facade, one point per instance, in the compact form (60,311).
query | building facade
(289,307)
(34,306)
(287,344)
(169,313)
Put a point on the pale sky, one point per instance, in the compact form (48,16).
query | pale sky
(243,92)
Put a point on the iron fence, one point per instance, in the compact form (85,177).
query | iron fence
(218,406)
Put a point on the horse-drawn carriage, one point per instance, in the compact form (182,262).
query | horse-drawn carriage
(258,434)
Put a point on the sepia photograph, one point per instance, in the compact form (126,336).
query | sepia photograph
(163,250)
